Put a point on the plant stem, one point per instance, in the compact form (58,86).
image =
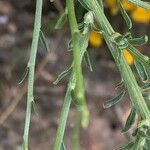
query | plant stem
(130,81)
(63,118)
(126,72)
(31,65)
(76,131)
(79,86)
(77,75)
(79,89)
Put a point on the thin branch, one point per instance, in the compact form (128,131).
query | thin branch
(31,65)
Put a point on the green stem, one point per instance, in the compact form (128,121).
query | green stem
(31,65)
(79,88)
(63,118)
(129,79)
(76,131)
(77,75)
(134,89)
(100,16)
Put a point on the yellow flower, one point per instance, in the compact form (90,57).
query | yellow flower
(95,39)
(114,10)
(128,6)
(138,14)
(129,58)
(141,15)
(110,3)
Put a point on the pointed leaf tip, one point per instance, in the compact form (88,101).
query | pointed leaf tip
(62,75)
(130,120)
(141,71)
(61,21)
(24,75)
(63,147)
(139,41)
(125,15)
(44,41)
(114,101)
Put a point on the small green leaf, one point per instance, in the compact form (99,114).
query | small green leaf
(128,146)
(63,147)
(83,43)
(114,101)
(88,61)
(85,35)
(120,85)
(62,75)
(139,41)
(24,75)
(146,96)
(44,41)
(144,60)
(61,21)
(141,71)
(130,120)
(140,3)
(146,87)
(35,108)
(127,35)
(125,15)
(70,45)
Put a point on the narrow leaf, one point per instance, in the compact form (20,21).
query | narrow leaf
(139,41)
(44,41)
(125,15)
(140,3)
(84,4)
(84,42)
(146,96)
(24,75)
(63,147)
(61,21)
(128,146)
(141,71)
(130,120)
(88,61)
(144,60)
(62,75)
(120,84)
(70,45)
(114,101)
(35,108)
(146,87)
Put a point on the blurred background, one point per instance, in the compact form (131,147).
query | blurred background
(16,26)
